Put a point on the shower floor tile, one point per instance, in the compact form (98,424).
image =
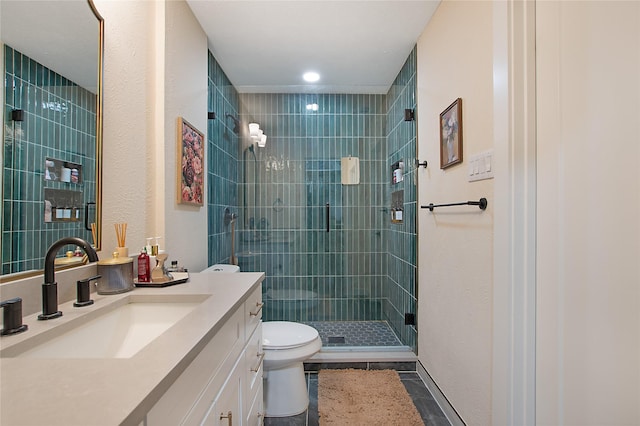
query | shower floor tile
(355,333)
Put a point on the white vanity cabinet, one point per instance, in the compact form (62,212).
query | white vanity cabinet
(226,409)
(252,398)
(223,384)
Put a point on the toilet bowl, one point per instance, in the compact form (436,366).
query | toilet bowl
(286,346)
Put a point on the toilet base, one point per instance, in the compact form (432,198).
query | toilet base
(285,391)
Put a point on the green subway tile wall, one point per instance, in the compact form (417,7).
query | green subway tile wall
(400,288)
(364,267)
(222,171)
(60,123)
(312,274)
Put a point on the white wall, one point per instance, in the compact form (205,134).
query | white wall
(185,91)
(455,245)
(588,257)
(587,224)
(129,100)
(155,69)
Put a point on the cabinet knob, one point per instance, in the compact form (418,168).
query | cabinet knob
(229,417)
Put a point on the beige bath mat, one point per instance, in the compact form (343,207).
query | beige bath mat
(364,397)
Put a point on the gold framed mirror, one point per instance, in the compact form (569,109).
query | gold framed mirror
(52,121)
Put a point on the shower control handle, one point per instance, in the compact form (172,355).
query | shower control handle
(328,209)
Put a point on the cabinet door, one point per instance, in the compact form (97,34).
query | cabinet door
(253,366)
(225,410)
(255,414)
(190,396)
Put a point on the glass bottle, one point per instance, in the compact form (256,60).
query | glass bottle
(144,269)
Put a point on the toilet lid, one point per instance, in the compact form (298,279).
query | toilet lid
(286,335)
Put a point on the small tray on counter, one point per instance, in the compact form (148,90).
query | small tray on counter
(178,278)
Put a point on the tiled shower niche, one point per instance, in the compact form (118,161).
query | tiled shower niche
(59,121)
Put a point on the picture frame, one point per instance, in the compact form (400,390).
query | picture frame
(190,164)
(451,135)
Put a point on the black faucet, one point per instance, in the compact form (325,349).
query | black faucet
(50,286)
(12,317)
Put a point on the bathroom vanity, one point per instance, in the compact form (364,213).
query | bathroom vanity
(205,365)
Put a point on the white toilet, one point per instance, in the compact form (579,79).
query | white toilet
(222,267)
(286,346)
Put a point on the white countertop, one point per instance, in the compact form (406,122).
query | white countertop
(114,391)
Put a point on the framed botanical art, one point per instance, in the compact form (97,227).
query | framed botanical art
(190,161)
(451,135)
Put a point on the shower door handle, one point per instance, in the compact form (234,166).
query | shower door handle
(87,226)
(327,209)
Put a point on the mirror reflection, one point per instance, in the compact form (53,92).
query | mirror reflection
(52,129)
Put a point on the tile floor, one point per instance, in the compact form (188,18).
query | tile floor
(355,333)
(426,405)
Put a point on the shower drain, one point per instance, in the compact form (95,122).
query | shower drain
(336,339)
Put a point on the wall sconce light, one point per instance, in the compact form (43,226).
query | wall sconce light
(409,115)
(254,129)
(257,135)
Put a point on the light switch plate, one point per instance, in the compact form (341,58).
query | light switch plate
(481,166)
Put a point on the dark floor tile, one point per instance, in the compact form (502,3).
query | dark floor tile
(416,388)
(299,420)
(430,412)
(398,366)
(313,418)
(409,375)
(428,408)
(317,366)
(422,398)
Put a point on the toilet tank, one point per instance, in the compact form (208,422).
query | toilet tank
(222,267)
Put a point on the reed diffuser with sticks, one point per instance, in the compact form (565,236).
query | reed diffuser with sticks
(121,237)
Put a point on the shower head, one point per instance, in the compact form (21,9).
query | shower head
(236,123)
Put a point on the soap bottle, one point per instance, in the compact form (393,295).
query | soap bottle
(148,246)
(144,269)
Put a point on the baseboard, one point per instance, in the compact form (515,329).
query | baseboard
(446,407)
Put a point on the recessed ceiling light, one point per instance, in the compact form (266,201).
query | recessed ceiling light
(311,76)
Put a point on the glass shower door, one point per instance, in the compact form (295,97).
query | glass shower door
(324,229)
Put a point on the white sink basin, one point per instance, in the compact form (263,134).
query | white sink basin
(113,332)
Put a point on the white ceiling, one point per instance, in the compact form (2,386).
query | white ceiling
(62,35)
(356,46)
